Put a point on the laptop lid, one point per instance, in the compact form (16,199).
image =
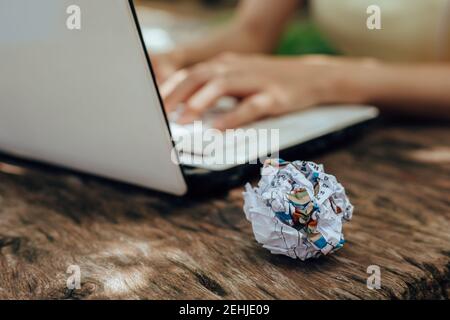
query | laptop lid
(83,96)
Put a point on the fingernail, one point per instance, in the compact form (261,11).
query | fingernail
(195,104)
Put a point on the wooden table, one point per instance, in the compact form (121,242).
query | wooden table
(132,243)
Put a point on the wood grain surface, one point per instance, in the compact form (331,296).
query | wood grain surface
(136,244)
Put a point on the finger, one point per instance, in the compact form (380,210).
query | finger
(157,68)
(188,117)
(182,85)
(207,96)
(168,88)
(161,67)
(162,73)
(251,109)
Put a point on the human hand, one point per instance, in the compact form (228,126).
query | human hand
(166,64)
(266,86)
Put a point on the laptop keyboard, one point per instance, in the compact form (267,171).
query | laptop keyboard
(293,128)
(184,135)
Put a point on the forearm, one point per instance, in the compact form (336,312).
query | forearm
(232,38)
(410,90)
(417,90)
(256,28)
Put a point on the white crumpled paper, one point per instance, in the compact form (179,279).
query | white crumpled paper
(297,209)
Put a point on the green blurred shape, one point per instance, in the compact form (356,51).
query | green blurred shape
(303,37)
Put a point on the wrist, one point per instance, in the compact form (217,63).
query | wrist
(249,39)
(365,81)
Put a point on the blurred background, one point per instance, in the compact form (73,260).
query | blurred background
(169,22)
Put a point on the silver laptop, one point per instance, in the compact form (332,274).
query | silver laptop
(84,97)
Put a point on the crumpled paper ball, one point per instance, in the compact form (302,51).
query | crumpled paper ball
(297,209)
